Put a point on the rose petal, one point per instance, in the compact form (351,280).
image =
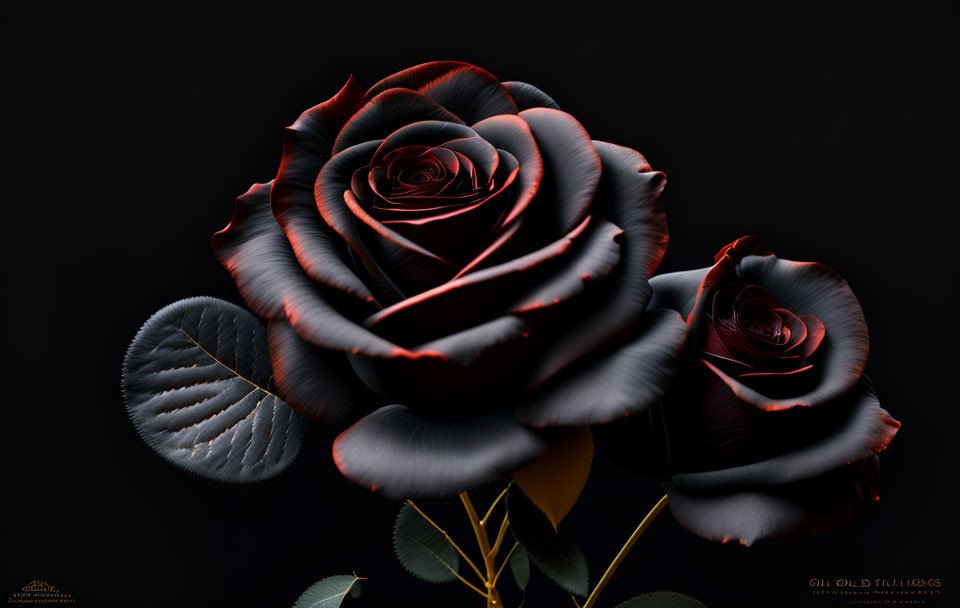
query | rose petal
(861,428)
(791,511)
(598,254)
(306,146)
(481,153)
(677,290)
(457,303)
(316,382)
(457,372)
(457,233)
(255,251)
(627,381)
(629,196)
(528,96)
(466,90)
(571,171)
(471,93)
(397,263)
(404,454)
(387,112)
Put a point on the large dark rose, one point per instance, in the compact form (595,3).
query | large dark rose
(771,429)
(451,262)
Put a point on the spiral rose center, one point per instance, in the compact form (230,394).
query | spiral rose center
(749,333)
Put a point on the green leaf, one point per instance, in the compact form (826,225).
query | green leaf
(662,599)
(329,592)
(560,559)
(520,566)
(422,549)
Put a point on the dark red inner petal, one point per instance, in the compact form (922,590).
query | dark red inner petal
(749,335)
(449,198)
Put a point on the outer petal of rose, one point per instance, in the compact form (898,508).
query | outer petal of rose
(811,288)
(481,364)
(629,196)
(528,96)
(306,146)
(316,382)
(863,429)
(677,290)
(386,113)
(381,251)
(257,254)
(795,510)
(466,90)
(625,382)
(404,454)
(456,304)
(571,172)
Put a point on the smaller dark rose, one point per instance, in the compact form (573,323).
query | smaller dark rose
(770,428)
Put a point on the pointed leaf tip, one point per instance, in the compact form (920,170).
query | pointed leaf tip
(329,592)
(554,481)
(557,557)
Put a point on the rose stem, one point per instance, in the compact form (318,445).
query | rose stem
(459,550)
(483,522)
(626,549)
(493,598)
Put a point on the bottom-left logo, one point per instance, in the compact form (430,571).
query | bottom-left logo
(40,593)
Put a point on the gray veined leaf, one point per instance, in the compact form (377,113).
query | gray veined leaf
(198,386)
(329,592)
(423,549)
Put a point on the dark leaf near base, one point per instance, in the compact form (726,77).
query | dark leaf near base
(662,599)
(422,549)
(329,592)
(520,566)
(199,388)
(560,559)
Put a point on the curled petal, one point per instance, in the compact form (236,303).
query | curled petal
(455,304)
(528,96)
(624,382)
(628,196)
(387,112)
(466,90)
(455,373)
(791,511)
(863,429)
(255,251)
(571,170)
(316,382)
(677,290)
(513,134)
(307,145)
(402,453)
(333,197)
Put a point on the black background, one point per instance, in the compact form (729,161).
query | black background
(128,130)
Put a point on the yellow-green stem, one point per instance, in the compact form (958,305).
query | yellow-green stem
(624,550)
(489,559)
